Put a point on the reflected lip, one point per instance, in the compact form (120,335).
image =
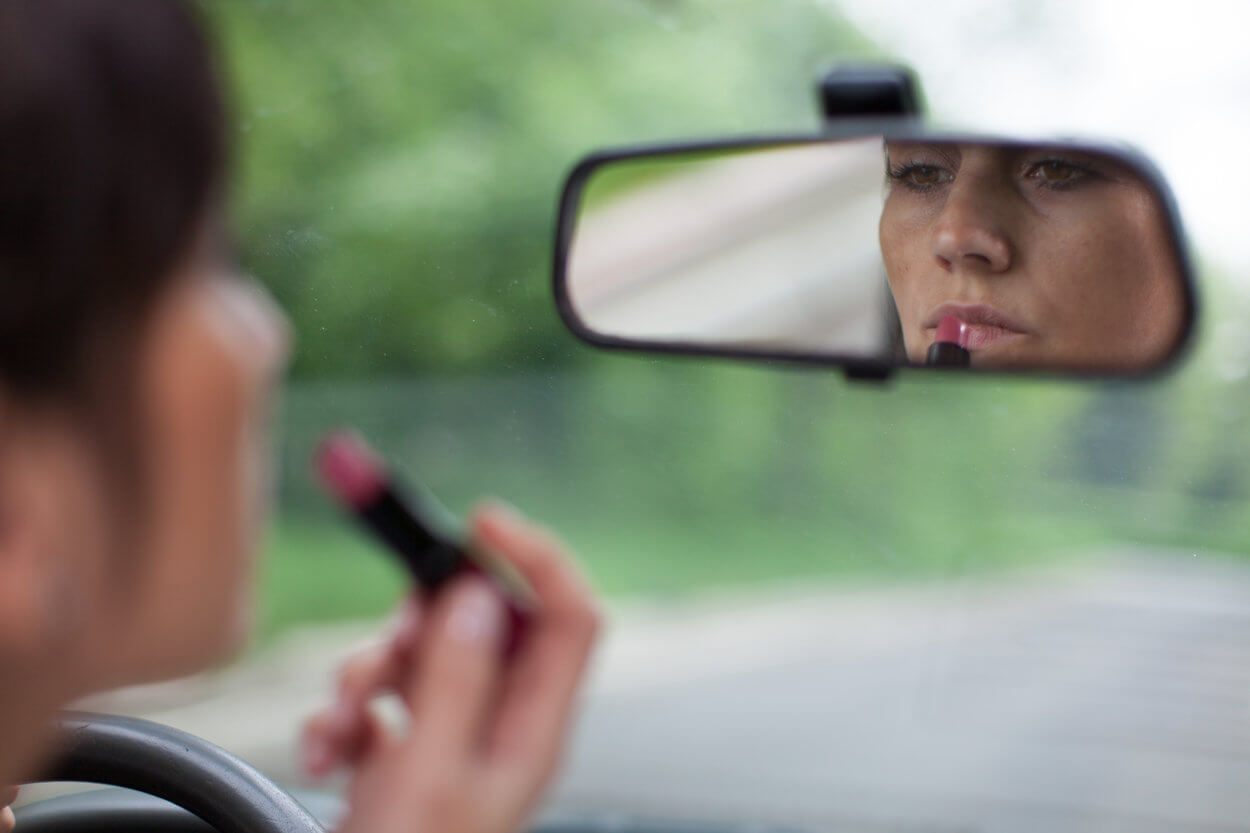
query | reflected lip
(984,324)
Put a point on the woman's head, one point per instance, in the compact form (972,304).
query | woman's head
(1053,258)
(133,361)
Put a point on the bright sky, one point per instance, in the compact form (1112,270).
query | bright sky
(1172,78)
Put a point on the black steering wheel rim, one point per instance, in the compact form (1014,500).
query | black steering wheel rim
(209,790)
(221,789)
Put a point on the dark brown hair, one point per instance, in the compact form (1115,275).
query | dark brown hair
(112,146)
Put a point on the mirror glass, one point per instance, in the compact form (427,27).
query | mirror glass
(1003,255)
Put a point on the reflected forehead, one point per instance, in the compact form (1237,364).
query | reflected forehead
(903,145)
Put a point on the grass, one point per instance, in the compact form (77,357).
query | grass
(319,571)
(667,479)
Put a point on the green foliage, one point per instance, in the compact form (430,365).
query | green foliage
(672,476)
(400,163)
(400,160)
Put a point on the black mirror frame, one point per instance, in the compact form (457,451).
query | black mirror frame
(890,127)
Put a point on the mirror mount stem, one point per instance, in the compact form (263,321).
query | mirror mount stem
(873,90)
(868,371)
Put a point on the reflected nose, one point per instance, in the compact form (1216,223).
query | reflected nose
(970,233)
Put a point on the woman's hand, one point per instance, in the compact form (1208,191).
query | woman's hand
(7,796)
(484,735)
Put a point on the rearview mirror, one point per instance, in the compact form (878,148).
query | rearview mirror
(878,251)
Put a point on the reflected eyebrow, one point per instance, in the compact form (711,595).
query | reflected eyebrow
(1030,152)
(949,151)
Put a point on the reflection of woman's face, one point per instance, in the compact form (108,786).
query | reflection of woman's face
(1052,258)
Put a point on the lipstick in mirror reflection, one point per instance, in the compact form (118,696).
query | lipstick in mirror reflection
(949,348)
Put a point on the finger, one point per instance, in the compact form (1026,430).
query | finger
(349,725)
(316,749)
(322,752)
(376,670)
(364,676)
(450,689)
(544,678)
(7,820)
(407,628)
(558,586)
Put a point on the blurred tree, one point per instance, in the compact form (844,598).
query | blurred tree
(400,160)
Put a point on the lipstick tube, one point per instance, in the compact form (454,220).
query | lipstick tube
(949,348)
(413,526)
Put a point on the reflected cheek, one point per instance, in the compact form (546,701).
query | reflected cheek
(1111,296)
(899,256)
(898,233)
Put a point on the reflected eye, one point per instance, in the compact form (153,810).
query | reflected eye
(919,177)
(1057,173)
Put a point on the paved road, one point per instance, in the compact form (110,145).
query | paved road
(1109,694)
(1111,697)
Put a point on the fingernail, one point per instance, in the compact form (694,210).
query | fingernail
(342,717)
(477,615)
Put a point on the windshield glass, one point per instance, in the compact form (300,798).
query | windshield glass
(935,604)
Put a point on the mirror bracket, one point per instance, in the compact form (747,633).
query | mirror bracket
(875,90)
(868,371)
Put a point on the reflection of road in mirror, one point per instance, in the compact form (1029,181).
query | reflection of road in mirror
(1051,257)
(756,249)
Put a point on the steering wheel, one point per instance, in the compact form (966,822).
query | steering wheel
(191,785)
(184,784)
